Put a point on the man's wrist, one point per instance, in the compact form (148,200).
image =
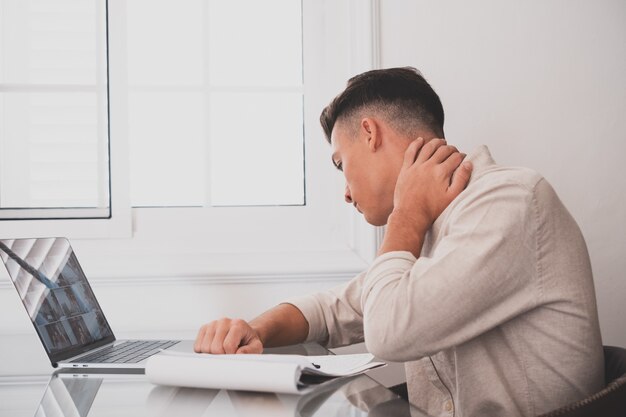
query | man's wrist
(410,221)
(282,325)
(260,331)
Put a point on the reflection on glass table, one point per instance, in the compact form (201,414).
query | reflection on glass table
(97,395)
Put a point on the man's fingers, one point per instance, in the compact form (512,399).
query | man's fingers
(452,162)
(227,336)
(245,349)
(197,346)
(217,345)
(205,335)
(443,153)
(429,149)
(236,335)
(254,346)
(232,341)
(411,152)
(450,166)
(461,178)
(207,340)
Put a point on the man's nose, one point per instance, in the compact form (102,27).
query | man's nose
(347,195)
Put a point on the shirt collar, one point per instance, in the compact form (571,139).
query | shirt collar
(481,159)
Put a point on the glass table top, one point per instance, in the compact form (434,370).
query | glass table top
(104,394)
(99,395)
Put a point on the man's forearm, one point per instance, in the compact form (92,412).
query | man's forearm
(280,326)
(404,233)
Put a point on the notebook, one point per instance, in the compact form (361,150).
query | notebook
(65,312)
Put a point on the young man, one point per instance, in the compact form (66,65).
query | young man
(482,286)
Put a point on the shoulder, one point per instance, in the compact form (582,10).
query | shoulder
(501,195)
(497,177)
(509,188)
(488,176)
(518,186)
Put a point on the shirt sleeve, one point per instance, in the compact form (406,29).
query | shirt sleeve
(335,317)
(481,273)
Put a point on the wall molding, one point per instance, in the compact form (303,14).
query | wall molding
(221,279)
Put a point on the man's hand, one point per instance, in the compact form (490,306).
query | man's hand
(427,184)
(228,336)
(280,326)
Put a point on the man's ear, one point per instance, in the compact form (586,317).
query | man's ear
(371,130)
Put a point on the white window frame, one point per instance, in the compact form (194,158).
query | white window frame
(324,238)
(88,222)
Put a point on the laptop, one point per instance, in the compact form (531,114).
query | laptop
(65,312)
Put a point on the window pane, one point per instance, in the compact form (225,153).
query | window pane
(167,149)
(47,159)
(53,109)
(51,41)
(256,149)
(255,42)
(165,40)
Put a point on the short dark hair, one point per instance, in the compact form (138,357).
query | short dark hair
(402,93)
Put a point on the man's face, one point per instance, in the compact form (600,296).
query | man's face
(370,170)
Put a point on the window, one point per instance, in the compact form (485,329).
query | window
(54,160)
(215,102)
(227,123)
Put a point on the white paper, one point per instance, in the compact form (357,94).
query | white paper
(344,365)
(269,373)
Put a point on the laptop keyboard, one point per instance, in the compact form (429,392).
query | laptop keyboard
(132,351)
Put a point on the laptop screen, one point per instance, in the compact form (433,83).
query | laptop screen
(56,294)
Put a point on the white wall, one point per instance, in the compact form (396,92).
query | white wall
(543,84)
(540,82)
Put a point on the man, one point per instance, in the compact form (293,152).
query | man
(483,287)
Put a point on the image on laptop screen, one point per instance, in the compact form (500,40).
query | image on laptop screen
(55,292)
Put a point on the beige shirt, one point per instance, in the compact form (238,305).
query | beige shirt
(497,317)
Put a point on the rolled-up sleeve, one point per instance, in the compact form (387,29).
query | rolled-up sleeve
(481,273)
(335,317)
